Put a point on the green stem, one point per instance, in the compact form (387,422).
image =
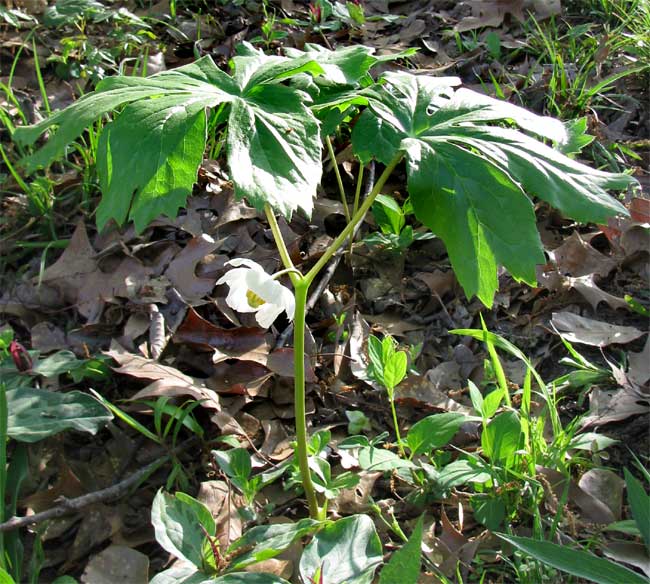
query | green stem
(339,180)
(301,289)
(4,429)
(282,247)
(357,195)
(358,216)
(391,399)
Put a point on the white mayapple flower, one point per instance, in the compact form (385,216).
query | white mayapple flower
(253,290)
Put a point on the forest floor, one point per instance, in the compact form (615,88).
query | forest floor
(137,318)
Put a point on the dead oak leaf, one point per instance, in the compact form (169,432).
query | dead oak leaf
(493,12)
(77,262)
(182,269)
(578,329)
(588,289)
(244,343)
(577,257)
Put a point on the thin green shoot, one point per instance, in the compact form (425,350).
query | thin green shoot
(339,180)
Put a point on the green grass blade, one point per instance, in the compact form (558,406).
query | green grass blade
(575,562)
(640,505)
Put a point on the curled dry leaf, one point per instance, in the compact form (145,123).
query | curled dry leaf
(578,329)
(629,552)
(182,270)
(157,337)
(451,547)
(280,362)
(355,499)
(639,365)
(607,406)
(245,343)
(167,380)
(606,486)
(422,393)
(588,289)
(493,12)
(223,502)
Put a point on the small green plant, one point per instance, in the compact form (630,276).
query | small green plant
(394,235)
(388,367)
(236,464)
(28,415)
(270,33)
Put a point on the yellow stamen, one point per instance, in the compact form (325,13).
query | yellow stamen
(254,301)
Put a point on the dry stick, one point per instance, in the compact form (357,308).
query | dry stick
(115,491)
(331,268)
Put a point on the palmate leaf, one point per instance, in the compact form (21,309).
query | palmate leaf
(148,157)
(469,180)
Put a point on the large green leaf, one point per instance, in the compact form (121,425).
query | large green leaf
(345,552)
(35,414)
(274,149)
(433,432)
(502,437)
(468,179)
(148,157)
(576,562)
(481,215)
(345,66)
(169,147)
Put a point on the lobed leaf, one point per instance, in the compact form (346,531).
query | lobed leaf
(148,157)
(468,180)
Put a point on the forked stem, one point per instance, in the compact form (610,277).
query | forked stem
(301,286)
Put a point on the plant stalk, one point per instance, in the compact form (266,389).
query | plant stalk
(301,289)
(301,286)
(4,430)
(339,180)
(282,247)
(391,398)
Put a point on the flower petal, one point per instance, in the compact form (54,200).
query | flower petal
(244,262)
(264,286)
(288,302)
(237,300)
(267,313)
(234,277)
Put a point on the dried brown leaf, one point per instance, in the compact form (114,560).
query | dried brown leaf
(578,329)
(592,509)
(117,563)
(245,343)
(182,270)
(577,257)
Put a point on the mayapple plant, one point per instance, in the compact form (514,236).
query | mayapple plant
(473,164)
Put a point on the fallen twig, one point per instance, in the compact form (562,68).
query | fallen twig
(67,506)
